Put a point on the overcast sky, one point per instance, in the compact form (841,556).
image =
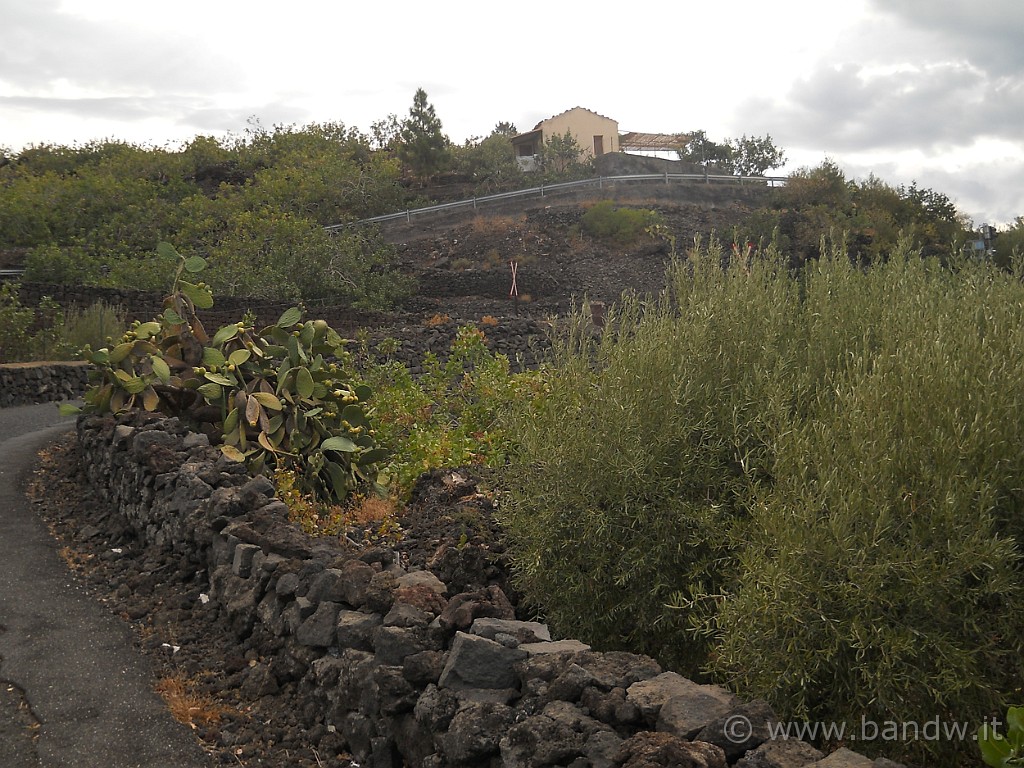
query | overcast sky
(930,91)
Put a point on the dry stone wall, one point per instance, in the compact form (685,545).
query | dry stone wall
(406,669)
(27,383)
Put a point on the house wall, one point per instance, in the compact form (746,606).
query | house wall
(584,126)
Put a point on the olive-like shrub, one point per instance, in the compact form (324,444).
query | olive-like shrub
(807,487)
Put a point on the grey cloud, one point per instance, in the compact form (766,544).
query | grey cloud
(109,108)
(935,107)
(986,192)
(42,45)
(985,32)
(212,118)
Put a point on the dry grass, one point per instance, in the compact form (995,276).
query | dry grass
(371,509)
(186,705)
(496,225)
(437,319)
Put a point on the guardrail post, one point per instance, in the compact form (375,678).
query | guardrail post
(474,202)
(408,215)
(666,177)
(542,189)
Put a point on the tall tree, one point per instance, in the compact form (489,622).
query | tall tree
(754,155)
(746,156)
(504,128)
(700,150)
(424,146)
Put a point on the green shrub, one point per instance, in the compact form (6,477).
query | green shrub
(449,415)
(632,474)
(809,487)
(15,324)
(623,225)
(881,576)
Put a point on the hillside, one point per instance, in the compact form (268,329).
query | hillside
(462,267)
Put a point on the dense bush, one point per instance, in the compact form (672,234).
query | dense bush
(254,207)
(15,327)
(624,225)
(449,415)
(881,574)
(875,216)
(808,487)
(633,471)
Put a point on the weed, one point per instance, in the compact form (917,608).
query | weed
(186,704)
(494,226)
(436,320)
(92,326)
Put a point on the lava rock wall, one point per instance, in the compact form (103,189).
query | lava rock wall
(387,660)
(27,383)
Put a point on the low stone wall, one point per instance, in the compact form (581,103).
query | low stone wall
(402,668)
(27,383)
(145,305)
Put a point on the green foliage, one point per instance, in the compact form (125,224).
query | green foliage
(32,334)
(446,417)
(561,159)
(275,397)
(605,220)
(255,206)
(746,156)
(630,476)
(278,256)
(1000,750)
(700,150)
(755,155)
(15,326)
(489,162)
(807,487)
(870,216)
(424,146)
(1009,244)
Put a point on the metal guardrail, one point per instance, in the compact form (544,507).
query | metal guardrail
(545,189)
(7,274)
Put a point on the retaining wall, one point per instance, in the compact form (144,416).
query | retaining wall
(27,383)
(408,670)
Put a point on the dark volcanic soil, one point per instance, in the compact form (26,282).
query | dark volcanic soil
(548,241)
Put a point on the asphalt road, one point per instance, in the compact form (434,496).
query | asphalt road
(67,664)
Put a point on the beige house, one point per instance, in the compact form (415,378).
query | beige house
(596,135)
